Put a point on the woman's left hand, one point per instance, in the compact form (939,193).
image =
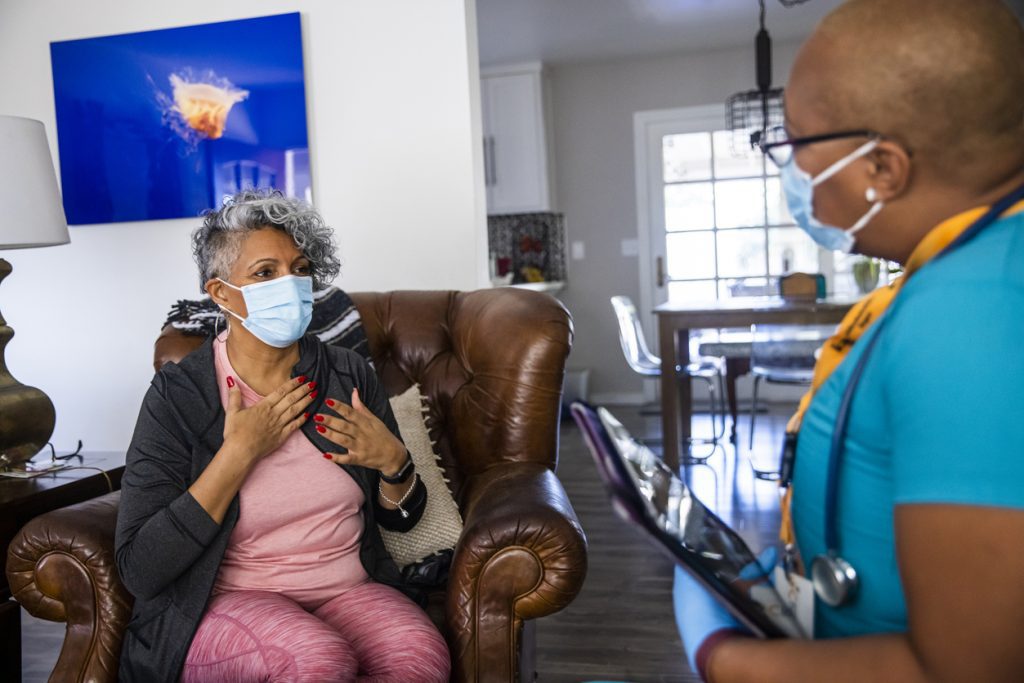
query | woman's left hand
(368,440)
(699,615)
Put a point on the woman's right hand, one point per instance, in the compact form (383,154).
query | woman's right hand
(260,429)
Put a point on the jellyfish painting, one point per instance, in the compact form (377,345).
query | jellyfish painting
(198,106)
(165,123)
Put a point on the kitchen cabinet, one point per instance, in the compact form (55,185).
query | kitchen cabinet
(516,139)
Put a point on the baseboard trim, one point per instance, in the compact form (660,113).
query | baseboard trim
(619,398)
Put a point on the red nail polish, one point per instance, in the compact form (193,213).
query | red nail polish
(300,379)
(312,394)
(306,415)
(330,403)
(321,429)
(328,456)
(318,418)
(231,382)
(312,385)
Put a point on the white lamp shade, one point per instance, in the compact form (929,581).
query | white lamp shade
(33,215)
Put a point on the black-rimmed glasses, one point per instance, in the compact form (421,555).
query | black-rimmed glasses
(779,148)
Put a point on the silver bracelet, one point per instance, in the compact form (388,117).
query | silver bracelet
(405,496)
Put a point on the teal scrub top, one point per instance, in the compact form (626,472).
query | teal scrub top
(938,417)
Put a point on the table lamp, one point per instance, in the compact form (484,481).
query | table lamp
(33,216)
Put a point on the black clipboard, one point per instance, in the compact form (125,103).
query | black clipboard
(648,494)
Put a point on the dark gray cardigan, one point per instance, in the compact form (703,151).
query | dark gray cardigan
(168,548)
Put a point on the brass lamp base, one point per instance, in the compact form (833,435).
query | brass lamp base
(26,413)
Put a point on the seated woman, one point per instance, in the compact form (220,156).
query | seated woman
(260,468)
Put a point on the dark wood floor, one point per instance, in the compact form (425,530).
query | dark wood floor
(621,627)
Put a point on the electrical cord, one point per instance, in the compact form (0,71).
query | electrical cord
(110,484)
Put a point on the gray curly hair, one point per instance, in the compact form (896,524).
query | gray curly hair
(218,241)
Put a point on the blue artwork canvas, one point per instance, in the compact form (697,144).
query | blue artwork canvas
(164,124)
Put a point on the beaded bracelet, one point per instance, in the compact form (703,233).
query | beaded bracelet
(398,503)
(402,475)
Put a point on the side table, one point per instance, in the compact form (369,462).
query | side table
(23,499)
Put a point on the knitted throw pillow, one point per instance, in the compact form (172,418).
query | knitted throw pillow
(441,524)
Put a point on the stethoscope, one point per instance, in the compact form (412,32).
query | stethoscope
(835,580)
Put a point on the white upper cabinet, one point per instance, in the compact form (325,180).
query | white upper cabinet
(516,141)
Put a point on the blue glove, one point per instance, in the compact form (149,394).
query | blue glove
(698,614)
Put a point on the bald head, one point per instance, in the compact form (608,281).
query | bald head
(943,77)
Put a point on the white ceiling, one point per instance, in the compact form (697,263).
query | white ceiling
(561,31)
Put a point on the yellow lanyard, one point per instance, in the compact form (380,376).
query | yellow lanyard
(861,317)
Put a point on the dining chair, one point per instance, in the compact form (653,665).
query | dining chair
(646,364)
(782,354)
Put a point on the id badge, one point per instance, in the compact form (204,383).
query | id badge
(798,593)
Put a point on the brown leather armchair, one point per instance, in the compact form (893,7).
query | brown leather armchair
(491,363)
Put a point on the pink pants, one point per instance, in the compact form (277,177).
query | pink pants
(370,633)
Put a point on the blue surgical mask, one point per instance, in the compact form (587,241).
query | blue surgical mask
(798,185)
(279,310)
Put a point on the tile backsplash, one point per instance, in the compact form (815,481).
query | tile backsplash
(526,241)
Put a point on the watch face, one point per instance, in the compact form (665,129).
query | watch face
(401,475)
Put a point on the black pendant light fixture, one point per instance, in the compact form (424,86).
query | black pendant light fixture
(758,110)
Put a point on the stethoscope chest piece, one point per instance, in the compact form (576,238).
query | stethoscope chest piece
(835,580)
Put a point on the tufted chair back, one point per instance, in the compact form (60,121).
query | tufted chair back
(487,402)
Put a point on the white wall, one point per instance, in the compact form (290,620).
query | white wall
(593,135)
(393,99)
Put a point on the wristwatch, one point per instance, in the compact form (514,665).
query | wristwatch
(402,475)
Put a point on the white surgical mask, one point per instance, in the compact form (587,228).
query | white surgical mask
(798,186)
(279,310)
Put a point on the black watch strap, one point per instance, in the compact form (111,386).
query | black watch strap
(402,475)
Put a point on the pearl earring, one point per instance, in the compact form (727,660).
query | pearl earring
(871,195)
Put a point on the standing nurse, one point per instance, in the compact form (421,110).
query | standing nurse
(904,125)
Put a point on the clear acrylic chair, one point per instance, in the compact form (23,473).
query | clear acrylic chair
(782,354)
(646,364)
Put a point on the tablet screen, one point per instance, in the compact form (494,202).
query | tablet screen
(648,494)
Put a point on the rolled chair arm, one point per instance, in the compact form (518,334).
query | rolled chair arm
(522,555)
(61,567)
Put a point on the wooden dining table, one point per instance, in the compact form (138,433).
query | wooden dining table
(676,320)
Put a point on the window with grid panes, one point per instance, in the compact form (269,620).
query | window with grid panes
(727,230)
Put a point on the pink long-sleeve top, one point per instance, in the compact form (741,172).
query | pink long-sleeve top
(300,518)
